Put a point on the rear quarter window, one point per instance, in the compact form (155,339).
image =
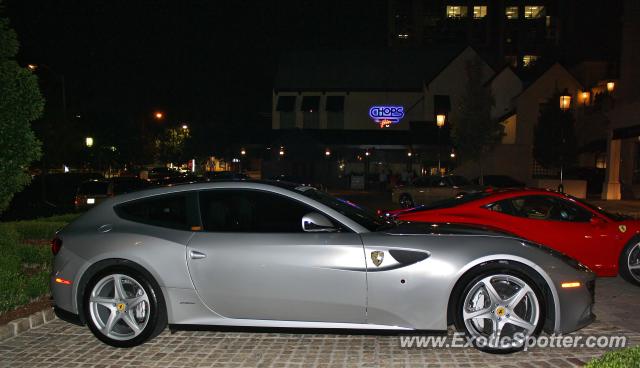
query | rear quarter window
(174,211)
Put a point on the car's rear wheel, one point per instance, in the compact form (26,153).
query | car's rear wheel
(499,309)
(122,308)
(630,262)
(406,201)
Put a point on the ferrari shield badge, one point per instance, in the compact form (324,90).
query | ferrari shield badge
(622,228)
(376,257)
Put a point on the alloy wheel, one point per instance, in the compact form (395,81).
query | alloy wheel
(119,307)
(633,262)
(500,305)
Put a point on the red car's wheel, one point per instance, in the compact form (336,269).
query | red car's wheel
(630,262)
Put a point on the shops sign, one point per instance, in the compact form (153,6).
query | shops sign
(385,116)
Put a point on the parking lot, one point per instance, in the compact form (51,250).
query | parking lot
(59,344)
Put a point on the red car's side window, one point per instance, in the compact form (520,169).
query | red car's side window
(539,207)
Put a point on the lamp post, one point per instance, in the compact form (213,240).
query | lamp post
(440,120)
(565,105)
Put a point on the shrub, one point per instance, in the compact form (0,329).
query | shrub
(38,229)
(629,357)
(25,264)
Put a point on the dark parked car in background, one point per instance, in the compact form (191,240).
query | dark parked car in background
(428,189)
(223,175)
(92,192)
(47,195)
(499,181)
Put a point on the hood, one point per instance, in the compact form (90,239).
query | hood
(421,228)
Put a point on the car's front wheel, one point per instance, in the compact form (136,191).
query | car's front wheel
(499,309)
(630,262)
(123,308)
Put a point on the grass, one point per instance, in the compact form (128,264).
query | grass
(25,264)
(629,357)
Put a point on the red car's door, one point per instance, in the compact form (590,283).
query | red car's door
(559,224)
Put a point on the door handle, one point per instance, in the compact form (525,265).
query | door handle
(194,254)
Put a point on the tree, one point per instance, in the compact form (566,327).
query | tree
(170,146)
(474,133)
(555,144)
(20,104)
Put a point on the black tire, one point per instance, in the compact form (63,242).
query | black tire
(406,201)
(467,283)
(630,254)
(157,312)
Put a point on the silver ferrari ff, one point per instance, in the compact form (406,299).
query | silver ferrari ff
(260,254)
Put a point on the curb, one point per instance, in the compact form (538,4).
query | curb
(20,325)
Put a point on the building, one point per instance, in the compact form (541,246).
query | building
(522,33)
(623,143)
(372,115)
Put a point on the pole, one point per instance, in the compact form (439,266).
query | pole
(439,163)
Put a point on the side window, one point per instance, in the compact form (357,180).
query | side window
(567,211)
(534,207)
(165,211)
(250,211)
(505,206)
(541,208)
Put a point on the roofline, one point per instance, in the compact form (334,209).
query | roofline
(545,72)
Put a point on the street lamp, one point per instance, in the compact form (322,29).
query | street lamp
(158,115)
(88,142)
(185,127)
(611,86)
(243,152)
(565,100)
(327,152)
(281,151)
(440,120)
(585,97)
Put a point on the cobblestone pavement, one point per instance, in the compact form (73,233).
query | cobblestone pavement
(60,344)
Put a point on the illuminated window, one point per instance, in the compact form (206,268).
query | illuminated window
(456,11)
(532,12)
(479,12)
(529,60)
(511,12)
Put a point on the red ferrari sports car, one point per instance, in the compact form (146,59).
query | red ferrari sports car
(607,243)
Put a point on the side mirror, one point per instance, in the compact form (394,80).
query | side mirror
(313,222)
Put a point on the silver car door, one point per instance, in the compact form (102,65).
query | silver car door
(242,271)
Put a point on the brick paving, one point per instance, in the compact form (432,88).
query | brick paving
(60,344)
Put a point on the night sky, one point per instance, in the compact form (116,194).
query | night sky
(198,61)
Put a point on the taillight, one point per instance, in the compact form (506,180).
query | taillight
(56,244)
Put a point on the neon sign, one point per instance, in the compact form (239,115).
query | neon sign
(386,115)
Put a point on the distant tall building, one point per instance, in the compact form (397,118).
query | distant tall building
(517,32)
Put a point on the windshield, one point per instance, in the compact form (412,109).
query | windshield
(360,215)
(600,210)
